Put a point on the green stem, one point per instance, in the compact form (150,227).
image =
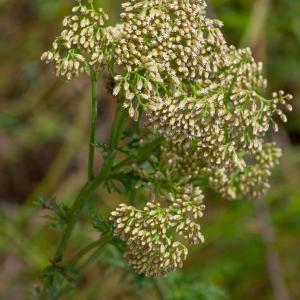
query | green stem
(106,171)
(93,128)
(118,127)
(95,255)
(91,185)
(75,210)
(83,252)
(85,192)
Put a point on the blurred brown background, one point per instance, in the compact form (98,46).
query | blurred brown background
(43,138)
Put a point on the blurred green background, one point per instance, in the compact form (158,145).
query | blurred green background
(43,138)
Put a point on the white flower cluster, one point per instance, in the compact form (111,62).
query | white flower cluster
(189,166)
(194,87)
(175,178)
(225,118)
(171,36)
(250,183)
(152,247)
(149,250)
(84,44)
(188,206)
(163,43)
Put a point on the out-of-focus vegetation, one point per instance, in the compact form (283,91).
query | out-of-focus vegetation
(43,133)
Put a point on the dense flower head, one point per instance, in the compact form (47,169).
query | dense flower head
(149,249)
(175,180)
(225,118)
(194,88)
(253,181)
(84,44)
(250,183)
(152,233)
(169,218)
(164,42)
(170,34)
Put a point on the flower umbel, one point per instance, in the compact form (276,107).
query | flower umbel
(85,44)
(150,233)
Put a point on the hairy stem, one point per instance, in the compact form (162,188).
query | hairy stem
(118,127)
(93,128)
(108,168)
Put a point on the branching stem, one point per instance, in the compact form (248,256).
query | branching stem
(91,185)
(108,169)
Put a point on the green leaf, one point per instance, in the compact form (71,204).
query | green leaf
(101,224)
